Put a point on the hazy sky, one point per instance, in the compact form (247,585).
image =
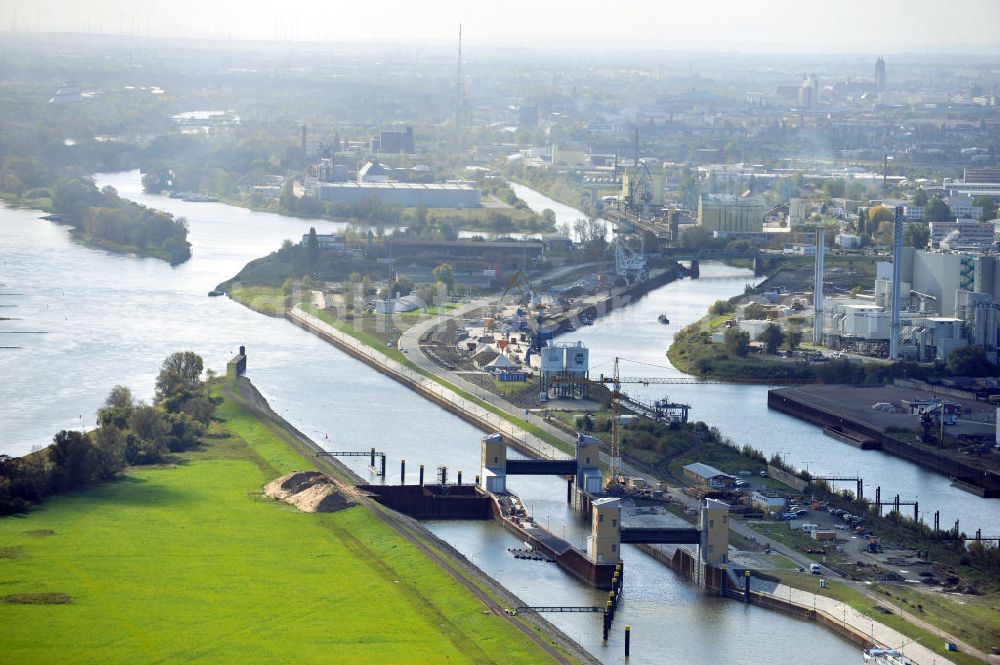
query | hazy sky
(872,26)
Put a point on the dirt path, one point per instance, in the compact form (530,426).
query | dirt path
(497,599)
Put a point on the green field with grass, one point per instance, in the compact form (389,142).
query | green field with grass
(188,562)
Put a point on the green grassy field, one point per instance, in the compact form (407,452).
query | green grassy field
(187,562)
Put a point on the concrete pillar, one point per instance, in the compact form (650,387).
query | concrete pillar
(818,288)
(605,530)
(714,525)
(588,464)
(897,272)
(493,464)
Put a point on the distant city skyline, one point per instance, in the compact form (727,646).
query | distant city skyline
(883,26)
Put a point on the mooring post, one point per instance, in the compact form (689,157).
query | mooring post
(381,470)
(746,585)
(421,475)
(402,472)
(628,639)
(916,513)
(372,462)
(459,477)
(569,490)
(607,622)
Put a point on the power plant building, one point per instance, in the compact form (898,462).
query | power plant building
(947,300)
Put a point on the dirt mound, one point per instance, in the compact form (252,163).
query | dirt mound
(309,491)
(320,498)
(293,483)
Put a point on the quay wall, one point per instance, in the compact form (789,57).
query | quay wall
(786,403)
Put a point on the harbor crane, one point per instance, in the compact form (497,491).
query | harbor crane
(615,476)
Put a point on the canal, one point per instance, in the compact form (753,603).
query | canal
(88,320)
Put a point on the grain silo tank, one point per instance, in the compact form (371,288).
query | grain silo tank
(553,359)
(578,359)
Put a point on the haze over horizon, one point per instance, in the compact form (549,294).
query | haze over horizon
(749,25)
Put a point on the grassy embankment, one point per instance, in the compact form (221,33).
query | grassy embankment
(187,561)
(378,344)
(273,302)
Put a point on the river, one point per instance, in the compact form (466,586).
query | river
(89,319)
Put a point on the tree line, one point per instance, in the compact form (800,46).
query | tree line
(102,215)
(129,432)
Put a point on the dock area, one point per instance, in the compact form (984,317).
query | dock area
(878,417)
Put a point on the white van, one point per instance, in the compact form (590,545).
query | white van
(814,569)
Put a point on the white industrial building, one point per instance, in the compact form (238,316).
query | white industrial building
(564,370)
(947,300)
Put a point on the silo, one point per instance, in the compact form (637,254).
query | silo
(578,360)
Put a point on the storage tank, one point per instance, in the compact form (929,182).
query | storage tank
(578,359)
(553,359)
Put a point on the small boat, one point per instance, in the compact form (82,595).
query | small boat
(663,319)
(876,656)
(213,293)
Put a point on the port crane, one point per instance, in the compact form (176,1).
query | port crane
(615,476)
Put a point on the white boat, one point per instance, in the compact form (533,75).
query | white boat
(875,656)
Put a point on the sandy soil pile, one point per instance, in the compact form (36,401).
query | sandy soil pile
(309,491)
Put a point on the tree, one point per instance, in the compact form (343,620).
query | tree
(920,198)
(876,216)
(754,311)
(180,373)
(970,361)
(445,272)
(312,248)
(937,210)
(120,397)
(989,206)
(71,455)
(695,237)
(737,341)
(721,307)
(833,188)
(792,339)
(772,337)
(549,217)
(916,234)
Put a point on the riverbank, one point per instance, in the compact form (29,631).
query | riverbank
(257,564)
(693,352)
(870,611)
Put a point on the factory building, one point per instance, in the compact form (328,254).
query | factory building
(725,215)
(947,300)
